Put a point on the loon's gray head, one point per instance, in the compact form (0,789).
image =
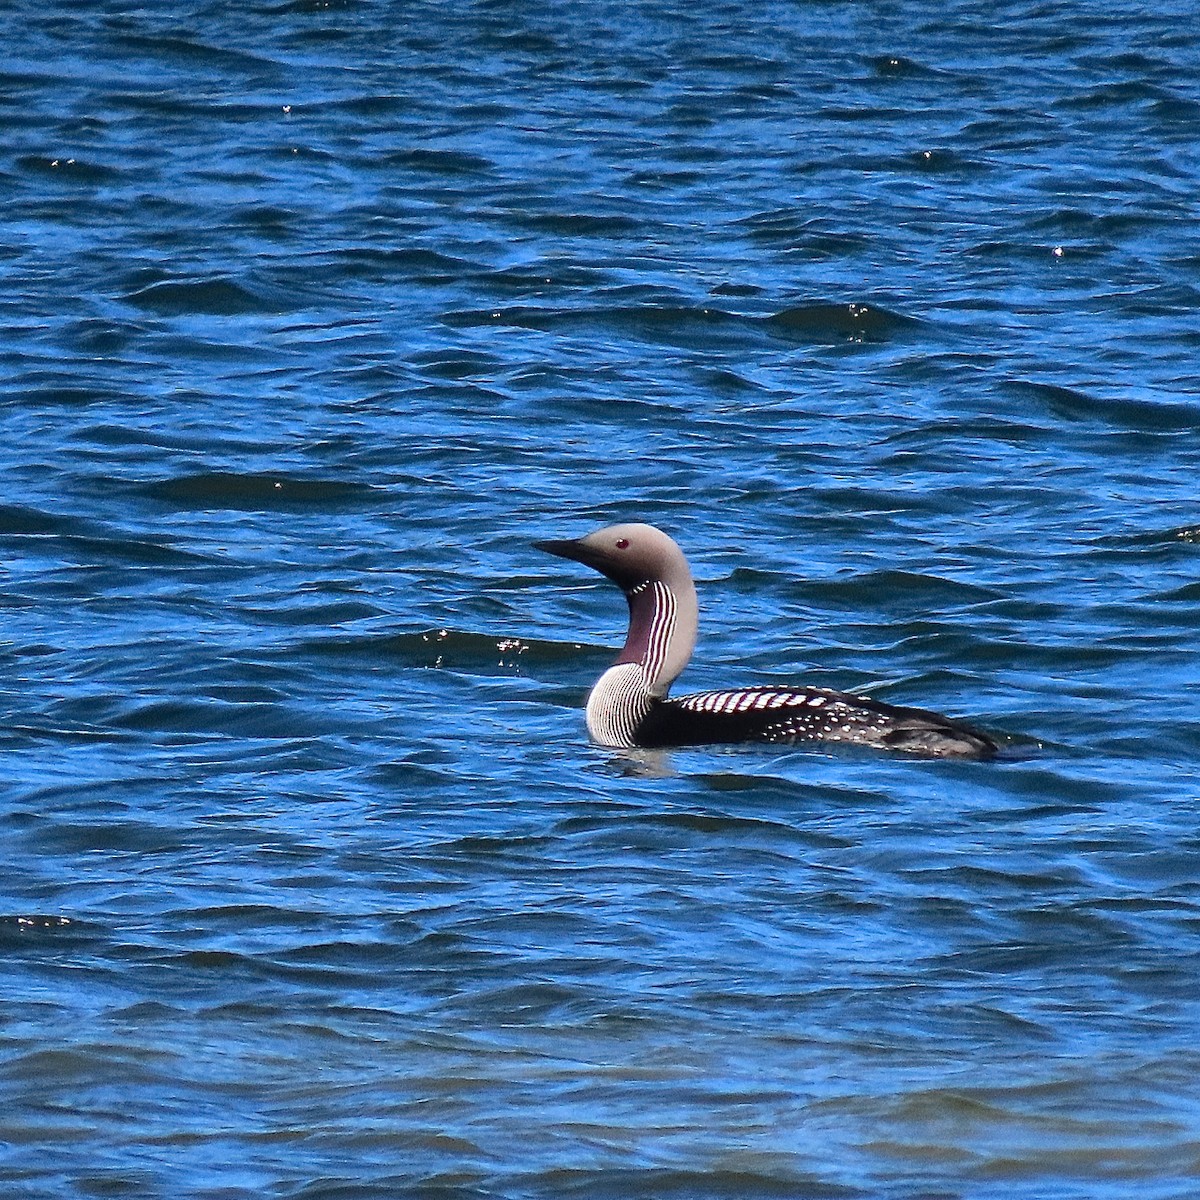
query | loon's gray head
(652,572)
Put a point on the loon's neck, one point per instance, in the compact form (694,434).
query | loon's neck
(662,633)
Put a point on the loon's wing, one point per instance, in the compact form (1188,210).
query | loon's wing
(807,714)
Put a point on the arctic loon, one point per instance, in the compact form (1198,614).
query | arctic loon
(629,705)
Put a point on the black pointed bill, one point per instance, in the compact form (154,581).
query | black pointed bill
(567,549)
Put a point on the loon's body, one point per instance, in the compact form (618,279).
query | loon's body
(629,705)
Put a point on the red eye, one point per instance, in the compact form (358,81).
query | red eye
(622,543)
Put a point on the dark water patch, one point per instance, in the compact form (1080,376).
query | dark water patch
(91,1063)
(522,42)
(755,580)
(361,958)
(381,104)
(944,161)
(440,162)
(1107,229)
(731,61)
(1187,594)
(665,1183)
(132,436)
(197,717)
(862,500)
(519,317)
(577,224)
(73,537)
(68,170)
(1173,302)
(674,324)
(664,179)
(696,828)
(666,324)
(512,846)
(988,430)
(457,364)
(34,649)
(485,112)
(1125,412)
(313,612)
(190,54)
(418,777)
(972,879)
(694,114)
(26,931)
(855,114)
(526,1004)
(1183,111)
(1124,92)
(793,229)
(898,66)
(1135,62)
(430,266)
(68,730)
(1010,250)
(245,693)
(536,279)
(737,289)
(903,589)
(260,492)
(729,383)
(383,1185)
(119,549)
(77,396)
(175,107)
(212,297)
(449,648)
(18,519)
(112,836)
(38,392)
(268,220)
(1051,655)
(833,322)
(781,92)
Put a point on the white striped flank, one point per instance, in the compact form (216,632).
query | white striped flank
(756,699)
(792,714)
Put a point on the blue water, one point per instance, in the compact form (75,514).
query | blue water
(315,316)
